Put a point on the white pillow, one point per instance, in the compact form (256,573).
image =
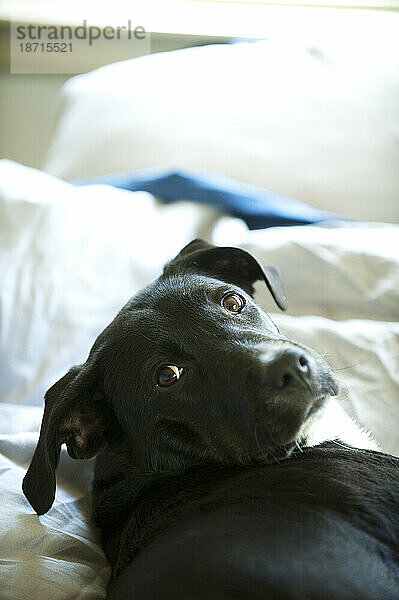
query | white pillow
(316,122)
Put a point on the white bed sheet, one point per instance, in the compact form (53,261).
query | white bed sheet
(69,258)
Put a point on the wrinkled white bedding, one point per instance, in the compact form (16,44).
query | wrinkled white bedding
(70,258)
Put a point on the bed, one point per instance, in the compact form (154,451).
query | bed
(70,256)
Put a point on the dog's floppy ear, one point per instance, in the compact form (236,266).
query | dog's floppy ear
(229,264)
(76,414)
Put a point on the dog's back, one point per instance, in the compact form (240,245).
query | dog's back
(323,524)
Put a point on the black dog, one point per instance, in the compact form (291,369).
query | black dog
(208,484)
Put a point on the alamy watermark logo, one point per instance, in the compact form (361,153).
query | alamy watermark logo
(71,49)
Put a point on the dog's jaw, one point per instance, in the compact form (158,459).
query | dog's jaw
(331,423)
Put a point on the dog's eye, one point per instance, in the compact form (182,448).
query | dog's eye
(233,302)
(168,375)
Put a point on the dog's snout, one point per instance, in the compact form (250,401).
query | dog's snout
(287,366)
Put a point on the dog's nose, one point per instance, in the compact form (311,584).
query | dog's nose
(286,367)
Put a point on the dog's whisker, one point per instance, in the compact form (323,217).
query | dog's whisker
(342,445)
(348,367)
(344,393)
(256,436)
(274,323)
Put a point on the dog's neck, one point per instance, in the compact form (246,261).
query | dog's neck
(143,498)
(332,423)
(139,505)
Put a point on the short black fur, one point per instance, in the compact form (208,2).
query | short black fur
(200,489)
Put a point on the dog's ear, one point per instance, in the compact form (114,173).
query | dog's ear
(76,414)
(232,265)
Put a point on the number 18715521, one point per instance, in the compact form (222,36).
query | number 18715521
(45,47)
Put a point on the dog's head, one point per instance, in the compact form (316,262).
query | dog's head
(190,371)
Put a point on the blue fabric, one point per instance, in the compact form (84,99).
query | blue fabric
(258,207)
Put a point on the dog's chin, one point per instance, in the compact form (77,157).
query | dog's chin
(289,438)
(312,414)
(317,407)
